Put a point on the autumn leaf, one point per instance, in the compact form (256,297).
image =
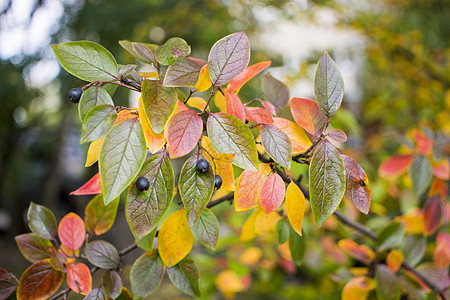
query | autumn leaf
(272,193)
(248,188)
(357,185)
(79,278)
(396,165)
(295,206)
(204,81)
(93,152)
(358,288)
(71,231)
(234,106)
(394,260)
(154,141)
(183,132)
(258,115)
(362,253)
(248,229)
(307,114)
(298,137)
(91,187)
(251,71)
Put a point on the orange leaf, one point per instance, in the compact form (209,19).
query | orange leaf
(298,137)
(442,253)
(258,115)
(204,81)
(183,132)
(438,188)
(433,214)
(394,260)
(295,206)
(307,114)
(272,193)
(228,283)
(79,278)
(234,106)
(269,106)
(424,143)
(362,253)
(248,188)
(358,288)
(395,165)
(250,256)
(71,231)
(442,170)
(126,114)
(155,141)
(91,187)
(237,82)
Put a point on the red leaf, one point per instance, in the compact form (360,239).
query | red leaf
(442,170)
(79,278)
(234,106)
(338,135)
(258,115)
(92,187)
(71,231)
(272,193)
(307,114)
(433,214)
(269,106)
(183,132)
(396,165)
(357,185)
(442,253)
(424,143)
(39,281)
(237,82)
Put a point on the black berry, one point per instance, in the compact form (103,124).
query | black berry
(75,95)
(202,166)
(142,184)
(217,182)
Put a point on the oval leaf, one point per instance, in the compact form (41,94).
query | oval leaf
(39,281)
(297,246)
(100,217)
(175,239)
(387,285)
(171,50)
(228,134)
(358,288)
(146,274)
(195,188)
(328,85)
(395,165)
(42,221)
(295,206)
(86,60)
(96,294)
(234,106)
(298,137)
(91,187)
(258,115)
(248,188)
(91,97)
(184,72)
(98,122)
(433,214)
(390,236)
(206,229)
(228,57)
(414,247)
(421,174)
(185,277)
(337,135)
(33,247)
(112,283)
(183,132)
(121,157)
(79,278)
(277,144)
(326,181)
(357,185)
(307,114)
(102,254)
(71,231)
(272,193)
(144,210)
(275,91)
(154,141)
(236,83)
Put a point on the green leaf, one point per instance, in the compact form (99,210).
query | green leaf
(184,72)
(206,229)
(112,283)
(414,247)
(102,254)
(42,221)
(171,50)
(326,181)
(328,85)
(297,246)
(388,287)
(228,134)
(96,294)
(185,277)
(146,243)
(98,122)
(33,247)
(282,228)
(277,144)
(144,210)
(126,70)
(146,274)
(421,174)
(390,236)
(86,60)
(275,91)
(100,217)
(228,57)
(121,157)
(195,188)
(93,96)
(159,103)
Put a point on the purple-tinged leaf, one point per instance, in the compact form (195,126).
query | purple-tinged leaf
(184,72)
(112,283)
(357,185)
(388,287)
(33,247)
(146,274)
(171,50)
(421,174)
(275,91)
(337,135)
(102,254)
(42,221)
(277,144)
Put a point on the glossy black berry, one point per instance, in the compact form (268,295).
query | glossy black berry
(202,166)
(217,182)
(142,184)
(75,95)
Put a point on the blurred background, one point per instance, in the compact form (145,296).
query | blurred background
(394,56)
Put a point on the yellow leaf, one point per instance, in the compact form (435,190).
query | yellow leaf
(413,221)
(154,141)
(285,251)
(175,239)
(93,151)
(222,162)
(249,186)
(197,102)
(250,256)
(147,75)
(300,141)
(204,81)
(248,229)
(295,206)
(126,114)
(394,260)
(229,283)
(359,271)
(358,288)
(219,101)
(265,224)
